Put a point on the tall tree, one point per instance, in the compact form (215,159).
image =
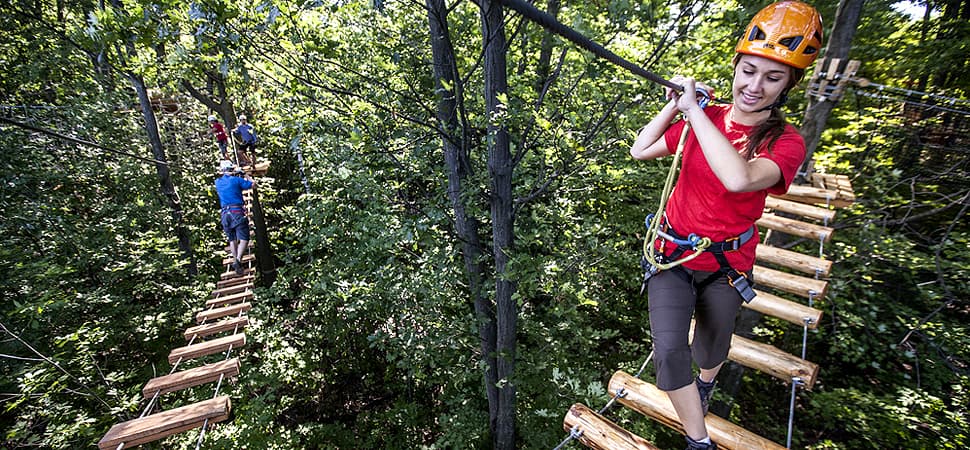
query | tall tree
(839,42)
(500,168)
(454,132)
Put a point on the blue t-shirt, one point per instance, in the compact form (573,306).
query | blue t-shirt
(230,189)
(246,133)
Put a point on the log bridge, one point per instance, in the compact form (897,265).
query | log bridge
(785,281)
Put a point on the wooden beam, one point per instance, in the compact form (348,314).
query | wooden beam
(646,399)
(784,309)
(191,377)
(166,423)
(795,227)
(793,260)
(793,284)
(772,361)
(800,209)
(206,348)
(243,296)
(245,258)
(818,196)
(247,271)
(229,290)
(235,323)
(248,279)
(600,433)
(218,313)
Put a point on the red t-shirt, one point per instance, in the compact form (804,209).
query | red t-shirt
(700,204)
(219,131)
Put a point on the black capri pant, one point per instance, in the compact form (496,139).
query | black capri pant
(673,299)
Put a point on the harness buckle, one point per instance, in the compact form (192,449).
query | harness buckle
(739,281)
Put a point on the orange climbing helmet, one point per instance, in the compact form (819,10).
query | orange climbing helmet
(788,31)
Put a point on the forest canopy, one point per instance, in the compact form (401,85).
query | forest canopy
(414,289)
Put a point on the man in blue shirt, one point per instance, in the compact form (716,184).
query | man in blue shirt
(247,134)
(235,223)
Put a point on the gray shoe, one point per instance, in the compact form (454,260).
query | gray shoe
(238,267)
(694,445)
(706,390)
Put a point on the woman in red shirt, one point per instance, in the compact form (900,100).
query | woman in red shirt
(734,157)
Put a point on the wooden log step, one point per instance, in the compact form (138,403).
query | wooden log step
(800,209)
(646,399)
(217,327)
(772,361)
(229,290)
(223,311)
(192,377)
(795,227)
(207,348)
(245,259)
(818,196)
(784,309)
(166,423)
(835,182)
(238,297)
(793,284)
(235,281)
(231,274)
(600,433)
(794,260)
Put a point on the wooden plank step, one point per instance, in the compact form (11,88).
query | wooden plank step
(231,274)
(166,423)
(238,297)
(796,227)
(223,311)
(235,281)
(793,260)
(206,348)
(650,401)
(245,259)
(600,433)
(791,283)
(818,196)
(772,361)
(837,182)
(784,309)
(800,209)
(217,327)
(192,377)
(229,290)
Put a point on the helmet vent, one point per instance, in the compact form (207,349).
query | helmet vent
(756,34)
(809,50)
(791,42)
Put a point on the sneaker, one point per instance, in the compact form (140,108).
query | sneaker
(237,267)
(706,390)
(694,445)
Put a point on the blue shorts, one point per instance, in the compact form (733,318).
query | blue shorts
(235,224)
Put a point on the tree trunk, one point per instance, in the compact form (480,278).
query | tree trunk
(164,174)
(456,150)
(545,50)
(500,174)
(817,113)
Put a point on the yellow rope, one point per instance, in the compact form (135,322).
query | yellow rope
(649,250)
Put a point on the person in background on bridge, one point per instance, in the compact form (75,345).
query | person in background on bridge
(235,224)
(222,139)
(247,134)
(734,157)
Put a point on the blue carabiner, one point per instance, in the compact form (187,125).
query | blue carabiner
(693,239)
(703,97)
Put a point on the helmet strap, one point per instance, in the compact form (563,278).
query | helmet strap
(782,99)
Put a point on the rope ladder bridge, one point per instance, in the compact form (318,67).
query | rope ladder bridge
(217,333)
